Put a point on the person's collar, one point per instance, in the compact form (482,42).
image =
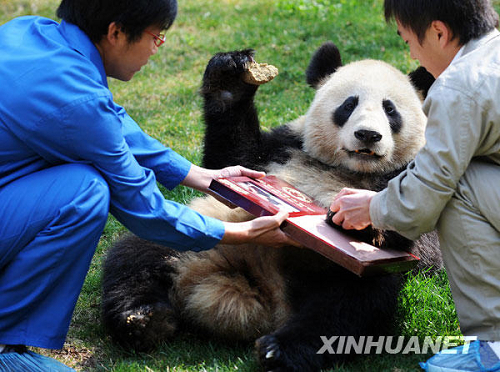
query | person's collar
(458,55)
(476,43)
(80,42)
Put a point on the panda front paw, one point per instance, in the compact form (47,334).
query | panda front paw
(228,64)
(225,71)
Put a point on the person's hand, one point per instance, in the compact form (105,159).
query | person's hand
(352,208)
(261,230)
(199,178)
(237,171)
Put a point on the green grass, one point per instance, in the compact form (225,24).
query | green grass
(163,98)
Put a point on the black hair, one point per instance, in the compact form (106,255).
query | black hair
(467,19)
(133,16)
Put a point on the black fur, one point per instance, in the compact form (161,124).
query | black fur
(324,62)
(232,134)
(422,80)
(328,303)
(344,111)
(395,119)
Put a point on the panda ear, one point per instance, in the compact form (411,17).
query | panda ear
(421,80)
(324,62)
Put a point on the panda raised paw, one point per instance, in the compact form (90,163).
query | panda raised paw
(224,70)
(229,63)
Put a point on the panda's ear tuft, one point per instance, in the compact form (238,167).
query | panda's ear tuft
(324,62)
(421,80)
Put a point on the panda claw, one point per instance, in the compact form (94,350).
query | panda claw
(270,354)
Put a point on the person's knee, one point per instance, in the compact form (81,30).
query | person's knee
(101,193)
(95,191)
(470,218)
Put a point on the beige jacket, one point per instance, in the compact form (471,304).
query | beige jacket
(463,110)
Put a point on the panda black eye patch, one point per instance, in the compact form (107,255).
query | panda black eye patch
(395,120)
(344,111)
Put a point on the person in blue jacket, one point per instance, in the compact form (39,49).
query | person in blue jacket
(69,155)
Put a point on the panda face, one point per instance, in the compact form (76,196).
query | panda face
(366,126)
(366,117)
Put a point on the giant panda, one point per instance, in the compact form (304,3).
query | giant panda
(364,126)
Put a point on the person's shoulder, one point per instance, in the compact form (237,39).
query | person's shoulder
(475,73)
(37,48)
(26,22)
(26,31)
(484,52)
(480,60)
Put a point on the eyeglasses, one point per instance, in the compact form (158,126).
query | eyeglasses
(159,39)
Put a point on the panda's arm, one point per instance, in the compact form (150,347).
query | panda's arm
(232,133)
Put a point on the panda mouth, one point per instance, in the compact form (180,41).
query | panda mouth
(364,153)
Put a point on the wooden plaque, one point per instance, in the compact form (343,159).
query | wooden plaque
(307,224)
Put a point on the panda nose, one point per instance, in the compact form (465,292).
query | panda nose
(368,136)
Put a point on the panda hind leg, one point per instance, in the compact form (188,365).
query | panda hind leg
(334,306)
(136,308)
(232,293)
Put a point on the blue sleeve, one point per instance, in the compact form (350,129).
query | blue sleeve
(169,167)
(91,131)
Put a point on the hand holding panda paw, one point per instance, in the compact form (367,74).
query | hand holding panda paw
(351,208)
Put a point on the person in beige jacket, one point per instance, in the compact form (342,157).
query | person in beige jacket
(453,185)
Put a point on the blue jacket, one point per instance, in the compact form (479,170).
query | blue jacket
(56,108)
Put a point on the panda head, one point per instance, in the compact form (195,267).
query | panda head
(366,116)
